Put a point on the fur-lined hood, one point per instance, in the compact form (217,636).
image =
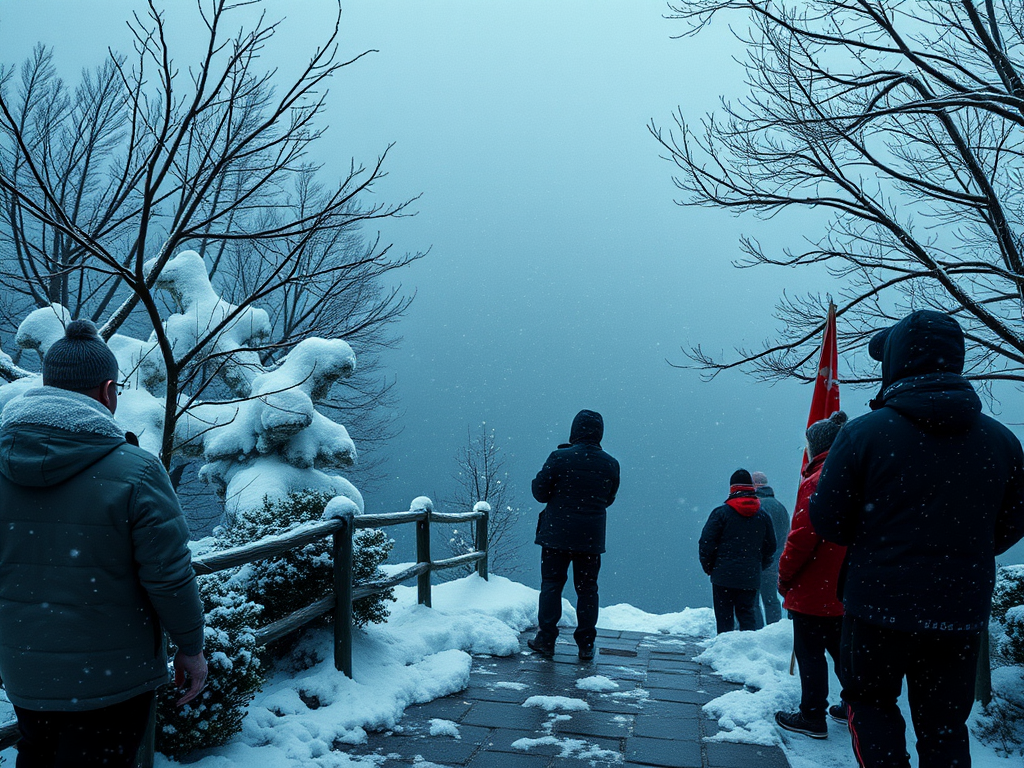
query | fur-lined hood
(49,435)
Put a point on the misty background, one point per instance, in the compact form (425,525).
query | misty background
(560,275)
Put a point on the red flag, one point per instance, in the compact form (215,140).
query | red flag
(825,401)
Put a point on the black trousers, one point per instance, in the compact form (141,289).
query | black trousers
(554,572)
(813,636)
(107,737)
(940,668)
(728,602)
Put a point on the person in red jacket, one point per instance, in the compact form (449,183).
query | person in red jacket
(808,574)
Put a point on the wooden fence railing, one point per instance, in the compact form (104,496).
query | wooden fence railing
(344,592)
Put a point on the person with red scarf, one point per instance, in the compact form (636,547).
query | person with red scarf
(737,543)
(808,576)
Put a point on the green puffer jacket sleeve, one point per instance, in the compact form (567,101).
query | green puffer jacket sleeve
(160,542)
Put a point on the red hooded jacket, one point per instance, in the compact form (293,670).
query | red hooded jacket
(809,565)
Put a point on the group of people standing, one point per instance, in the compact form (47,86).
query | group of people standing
(889,563)
(887,566)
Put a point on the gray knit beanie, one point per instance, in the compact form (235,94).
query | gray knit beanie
(821,434)
(80,361)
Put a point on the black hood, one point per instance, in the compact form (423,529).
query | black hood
(923,342)
(587,427)
(922,359)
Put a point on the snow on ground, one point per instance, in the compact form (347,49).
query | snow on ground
(556,703)
(698,622)
(596,683)
(760,660)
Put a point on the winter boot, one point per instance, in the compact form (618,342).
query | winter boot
(797,723)
(540,647)
(587,652)
(838,712)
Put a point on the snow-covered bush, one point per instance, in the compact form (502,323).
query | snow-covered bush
(236,674)
(1002,723)
(302,576)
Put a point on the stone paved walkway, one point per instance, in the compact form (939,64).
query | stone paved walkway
(654,718)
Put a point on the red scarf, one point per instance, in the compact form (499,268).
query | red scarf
(742,500)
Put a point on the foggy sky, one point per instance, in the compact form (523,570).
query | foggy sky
(561,275)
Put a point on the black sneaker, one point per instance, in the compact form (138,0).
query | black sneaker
(839,713)
(797,723)
(540,648)
(586,653)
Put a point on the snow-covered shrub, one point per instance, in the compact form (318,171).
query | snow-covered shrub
(1002,723)
(235,674)
(301,576)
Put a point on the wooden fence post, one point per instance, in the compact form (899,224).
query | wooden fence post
(423,556)
(481,536)
(343,594)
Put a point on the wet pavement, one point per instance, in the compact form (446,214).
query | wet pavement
(648,713)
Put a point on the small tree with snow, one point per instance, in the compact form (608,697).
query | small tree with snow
(482,475)
(1002,722)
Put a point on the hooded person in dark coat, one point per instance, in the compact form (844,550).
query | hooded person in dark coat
(578,483)
(924,492)
(737,543)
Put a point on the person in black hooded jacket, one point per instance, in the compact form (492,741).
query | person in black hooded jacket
(578,483)
(924,491)
(736,545)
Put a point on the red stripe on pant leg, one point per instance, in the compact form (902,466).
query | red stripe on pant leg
(853,735)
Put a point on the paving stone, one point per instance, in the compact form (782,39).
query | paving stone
(437,749)
(448,708)
(614,633)
(673,665)
(605,703)
(672,710)
(655,727)
(501,740)
(507,760)
(681,696)
(679,681)
(661,752)
(606,724)
(634,635)
(495,715)
(726,755)
(491,693)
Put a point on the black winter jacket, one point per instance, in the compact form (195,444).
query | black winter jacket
(577,484)
(734,548)
(924,491)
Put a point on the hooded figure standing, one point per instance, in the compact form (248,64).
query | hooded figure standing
(770,575)
(93,561)
(736,545)
(578,483)
(924,492)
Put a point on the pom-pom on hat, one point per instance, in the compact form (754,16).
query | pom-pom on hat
(821,434)
(80,361)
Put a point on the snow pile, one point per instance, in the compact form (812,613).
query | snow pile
(759,660)
(574,748)
(597,683)
(556,703)
(42,327)
(694,622)
(439,727)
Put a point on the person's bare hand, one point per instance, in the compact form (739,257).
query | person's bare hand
(194,670)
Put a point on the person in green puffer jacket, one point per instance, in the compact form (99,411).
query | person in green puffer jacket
(93,562)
